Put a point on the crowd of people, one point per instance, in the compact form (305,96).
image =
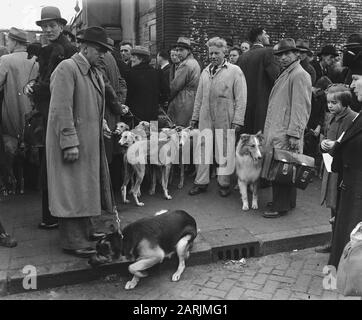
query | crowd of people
(77,84)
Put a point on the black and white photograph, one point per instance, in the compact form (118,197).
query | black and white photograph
(180,156)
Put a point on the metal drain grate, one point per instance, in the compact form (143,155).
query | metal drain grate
(235,252)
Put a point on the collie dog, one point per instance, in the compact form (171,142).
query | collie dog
(248,164)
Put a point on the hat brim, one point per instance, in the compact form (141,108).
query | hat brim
(276,52)
(328,53)
(182,45)
(303,49)
(17,38)
(39,22)
(104,45)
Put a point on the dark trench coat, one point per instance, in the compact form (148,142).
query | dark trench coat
(348,162)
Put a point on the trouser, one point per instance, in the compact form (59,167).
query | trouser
(284,197)
(75,232)
(47,218)
(2,230)
(224,156)
(116,172)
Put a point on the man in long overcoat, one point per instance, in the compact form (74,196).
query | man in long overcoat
(288,113)
(15,71)
(261,70)
(184,85)
(78,177)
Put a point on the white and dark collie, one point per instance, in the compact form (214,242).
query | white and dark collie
(248,164)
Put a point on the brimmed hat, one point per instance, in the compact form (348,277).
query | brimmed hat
(50,13)
(110,42)
(354,41)
(328,50)
(141,51)
(95,35)
(183,42)
(18,35)
(303,45)
(80,34)
(285,45)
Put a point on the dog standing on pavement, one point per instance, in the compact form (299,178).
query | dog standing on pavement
(148,241)
(133,168)
(248,164)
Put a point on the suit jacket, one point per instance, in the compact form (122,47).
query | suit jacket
(261,70)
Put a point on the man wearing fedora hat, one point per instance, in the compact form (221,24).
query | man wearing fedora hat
(327,58)
(287,117)
(15,71)
(78,177)
(303,46)
(183,87)
(59,48)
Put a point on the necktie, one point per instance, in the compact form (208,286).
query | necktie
(213,71)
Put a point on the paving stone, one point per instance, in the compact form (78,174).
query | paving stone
(283,266)
(260,278)
(258,294)
(282,294)
(211,284)
(213,292)
(302,283)
(265,270)
(293,273)
(278,272)
(200,297)
(270,286)
(330,295)
(245,278)
(226,285)
(249,285)
(281,279)
(235,293)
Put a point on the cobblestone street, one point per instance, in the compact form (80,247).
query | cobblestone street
(285,276)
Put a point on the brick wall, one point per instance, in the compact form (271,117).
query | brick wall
(203,19)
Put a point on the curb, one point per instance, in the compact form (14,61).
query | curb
(236,243)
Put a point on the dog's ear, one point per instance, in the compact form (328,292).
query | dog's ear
(244,138)
(260,137)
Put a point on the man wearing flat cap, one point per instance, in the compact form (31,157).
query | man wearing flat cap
(184,85)
(287,117)
(78,176)
(15,72)
(59,48)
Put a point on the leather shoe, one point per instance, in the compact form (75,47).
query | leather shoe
(274,214)
(97,236)
(324,249)
(224,192)
(81,253)
(197,189)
